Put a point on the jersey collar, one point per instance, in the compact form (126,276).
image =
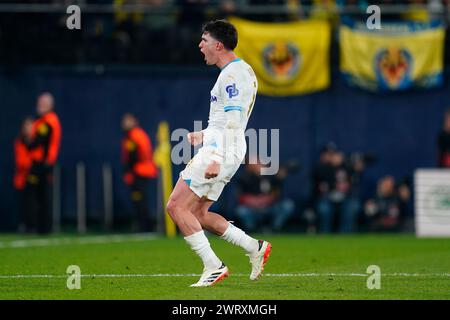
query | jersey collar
(235,60)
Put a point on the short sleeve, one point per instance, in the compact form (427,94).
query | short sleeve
(232,91)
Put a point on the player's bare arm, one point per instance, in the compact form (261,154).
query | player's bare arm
(195,138)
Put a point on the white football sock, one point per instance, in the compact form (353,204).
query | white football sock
(238,237)
(200,244)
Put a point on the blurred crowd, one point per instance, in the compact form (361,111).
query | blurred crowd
(337,201)
(116,31)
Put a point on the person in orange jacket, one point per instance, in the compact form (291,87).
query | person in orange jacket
(23,163)
(140,170)
(44,151)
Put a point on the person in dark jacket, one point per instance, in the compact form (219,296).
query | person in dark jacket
(443,142)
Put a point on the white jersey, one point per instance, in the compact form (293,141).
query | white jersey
(232,100)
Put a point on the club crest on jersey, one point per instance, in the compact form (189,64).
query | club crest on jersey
(232,90)
(213,99)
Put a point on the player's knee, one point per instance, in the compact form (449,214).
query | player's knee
(172,208)
(201,216)
(201,219)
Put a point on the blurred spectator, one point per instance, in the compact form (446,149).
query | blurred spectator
(228,7)
(404,195)
(321,177)
(443,142)
(323,173)
(140,171)
(23,164)
(387,210)
(260,200)
(335,202)
(324,10)
(447,11)
(436,10)
(296,10)
(129,34)
(416,11)
(190,20)
(353,10)
(44,150)
(162,29)
(391,16)
(282,13)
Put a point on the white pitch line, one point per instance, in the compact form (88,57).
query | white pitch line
(169,275)
(355,274)
(27,243)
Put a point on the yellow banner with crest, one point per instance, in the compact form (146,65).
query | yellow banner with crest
(398,56)
(288,58)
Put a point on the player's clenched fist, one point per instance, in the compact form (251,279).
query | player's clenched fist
(195,138)
(212,170)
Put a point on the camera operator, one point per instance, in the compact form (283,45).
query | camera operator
(260,200)
(337,194)
(356,164)
(388,209)
(443,142)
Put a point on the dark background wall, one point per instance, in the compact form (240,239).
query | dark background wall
(400,129)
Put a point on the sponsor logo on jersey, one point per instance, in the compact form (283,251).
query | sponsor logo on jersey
(232,90)
(213,98)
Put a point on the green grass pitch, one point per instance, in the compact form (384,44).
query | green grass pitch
(151,267)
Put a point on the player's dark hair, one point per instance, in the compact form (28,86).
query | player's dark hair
(222,31)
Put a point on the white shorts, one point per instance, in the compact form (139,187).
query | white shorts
(194,174)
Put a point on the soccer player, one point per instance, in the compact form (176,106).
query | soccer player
(222,152)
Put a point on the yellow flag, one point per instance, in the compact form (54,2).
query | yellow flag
(161,157)
(288,58)
(399,56)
